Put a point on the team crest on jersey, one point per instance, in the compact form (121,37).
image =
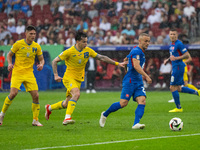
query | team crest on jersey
(27,54)
(79,54)
(79,61)
(34,49)
(28,47)
(172,48)
(127,95)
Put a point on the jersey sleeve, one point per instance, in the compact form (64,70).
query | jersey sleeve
(182,48)
(39,51)
(64,55)
(135,54)
(92,53)
(15,47)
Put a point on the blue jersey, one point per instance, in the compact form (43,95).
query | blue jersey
(132,75)
(177,49)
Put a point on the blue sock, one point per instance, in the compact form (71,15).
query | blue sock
(114,107)
(139,113)
(175,95)
(188,90)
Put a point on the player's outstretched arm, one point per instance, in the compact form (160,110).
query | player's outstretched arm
(54,66)
(110,61)
(40,66)
(9,59)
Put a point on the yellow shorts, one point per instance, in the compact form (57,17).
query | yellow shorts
(70,84)
(29,82)
(185,76)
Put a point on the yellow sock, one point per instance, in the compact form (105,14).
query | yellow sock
(70,107)
(192,87)
(6,104)
(36,110)
(57,105)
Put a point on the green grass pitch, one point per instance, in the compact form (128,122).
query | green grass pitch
(18,133)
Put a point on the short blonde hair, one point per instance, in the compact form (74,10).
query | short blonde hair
(142,35)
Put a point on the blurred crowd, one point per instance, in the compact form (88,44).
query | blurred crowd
(107,22)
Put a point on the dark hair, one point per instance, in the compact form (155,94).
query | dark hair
(30,27)
(80,35)
(172,29)
(1,51)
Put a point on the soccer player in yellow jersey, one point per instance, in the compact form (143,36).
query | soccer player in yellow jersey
(25,51)
(75,59)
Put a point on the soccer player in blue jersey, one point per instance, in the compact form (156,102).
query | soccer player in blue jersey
(178,52)
(133,84)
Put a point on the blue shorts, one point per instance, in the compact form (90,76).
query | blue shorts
(132,89)
(177,75)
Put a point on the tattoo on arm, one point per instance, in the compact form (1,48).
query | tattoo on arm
(105,59)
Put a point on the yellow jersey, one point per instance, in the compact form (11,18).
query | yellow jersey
(25,56)
(75,61)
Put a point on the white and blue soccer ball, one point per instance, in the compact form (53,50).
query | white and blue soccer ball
(176,124)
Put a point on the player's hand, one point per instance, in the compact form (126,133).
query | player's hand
(57,78)
(10,67)
(39,67)
(165,61)
(149,81)
(122,64)
(172,58)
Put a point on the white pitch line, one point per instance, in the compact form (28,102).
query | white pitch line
(101,143)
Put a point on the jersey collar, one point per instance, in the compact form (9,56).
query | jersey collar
(26,42)
(173,43)
(77,49)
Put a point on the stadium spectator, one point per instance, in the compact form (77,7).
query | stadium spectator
(165,36)
(101,70)
(152,38)
(92,12)
(11,19)
(147,4)
(179,8)
(74,24)
(94,27)
(84,13)
(135,24)
(131,10)
(98,40)
(128,31)
(8,6)
(91,74)
(198,8)
(123,24)
(105,25)
(4,34)
(41,38)
(185,26)
(52,38)
(164,75)
(159,40)
(83,26)
(16,6)
(117,39)
(144,26)
(153,18)
(61,7)
(54,8)
(39,25)
(117,73)
(165,23)
(59,37)
(29,22)
(61,42)
(68,5)
(114,24)
(108,39)
(90,36)
(194,25)
(159,9)
(174,23)
(111,12)
(1,6)
(188,9)
(11,42)
(119,5)
(11,27)
(139,15)
(25,8)
(126,39)
(46,25)
(2,62)
(20,27)
(124,16)
(58,26)
(71,40)
(98,5)
(152,69)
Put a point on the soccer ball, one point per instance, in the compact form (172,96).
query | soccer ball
(176,124)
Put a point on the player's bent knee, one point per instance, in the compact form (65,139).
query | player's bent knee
(123,103)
